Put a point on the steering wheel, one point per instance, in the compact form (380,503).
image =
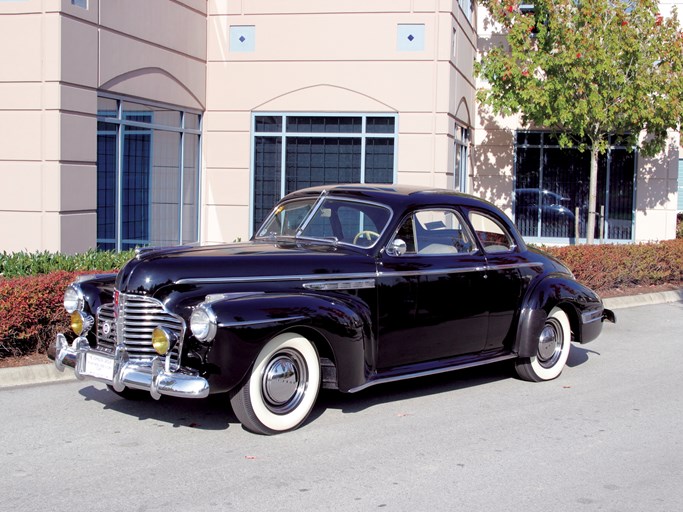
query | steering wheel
(368,235)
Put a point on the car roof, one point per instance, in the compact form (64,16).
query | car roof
(407,197)
(393,194)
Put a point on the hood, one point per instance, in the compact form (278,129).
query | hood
(153,269)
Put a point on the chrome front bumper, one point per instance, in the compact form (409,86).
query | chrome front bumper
(119,372)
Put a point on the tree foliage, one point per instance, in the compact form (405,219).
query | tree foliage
(587,69)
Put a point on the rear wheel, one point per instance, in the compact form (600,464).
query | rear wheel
(281,389)
(552,352)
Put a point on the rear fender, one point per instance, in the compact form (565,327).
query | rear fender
(556,290)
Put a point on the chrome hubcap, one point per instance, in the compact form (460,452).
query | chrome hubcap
(550,343)
(284,381)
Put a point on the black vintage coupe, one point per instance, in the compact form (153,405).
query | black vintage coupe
(342,287)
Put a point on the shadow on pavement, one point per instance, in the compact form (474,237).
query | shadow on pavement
(212,413)
(215,413)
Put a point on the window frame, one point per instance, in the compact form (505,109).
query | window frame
(510,236)
(285,135)
(542,140)
(463,227)
(120,118)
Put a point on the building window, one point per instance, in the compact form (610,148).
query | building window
(297,151)
(551,190)
(147,175)
(467,7)
(80,3)
(462,143)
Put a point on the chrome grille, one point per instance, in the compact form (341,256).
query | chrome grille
(137,318)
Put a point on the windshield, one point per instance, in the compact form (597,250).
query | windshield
(338,220)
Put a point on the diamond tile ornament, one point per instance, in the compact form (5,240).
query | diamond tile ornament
(242,38)
(410,37)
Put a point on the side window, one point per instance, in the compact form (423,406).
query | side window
(491,233)
(435,232)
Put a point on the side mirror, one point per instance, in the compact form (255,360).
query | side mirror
(396,247)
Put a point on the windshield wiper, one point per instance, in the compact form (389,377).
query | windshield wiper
(329,240)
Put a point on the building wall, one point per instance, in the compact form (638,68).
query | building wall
(309,57)
(61,56)
(657,194)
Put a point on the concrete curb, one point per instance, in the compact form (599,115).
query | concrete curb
(46,373)
(33,374)
(645,299)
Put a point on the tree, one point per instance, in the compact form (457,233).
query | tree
(588,69)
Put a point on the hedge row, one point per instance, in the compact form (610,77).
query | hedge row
(605,267)
(27,264)
(31,311)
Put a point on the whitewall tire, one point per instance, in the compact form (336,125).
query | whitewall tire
(281,389)
(554,343)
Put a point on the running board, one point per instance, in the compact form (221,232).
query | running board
(435,371)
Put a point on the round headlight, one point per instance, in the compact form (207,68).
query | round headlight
(73,299)
(203,324)
(162,340)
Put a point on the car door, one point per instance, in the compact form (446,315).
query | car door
(432,300)
(505,276)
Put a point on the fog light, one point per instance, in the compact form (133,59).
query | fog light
(163,340)
(81,322)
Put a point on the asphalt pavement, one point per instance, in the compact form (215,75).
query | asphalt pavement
(604,436)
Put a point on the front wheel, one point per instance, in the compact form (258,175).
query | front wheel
(554,343)
(281,389)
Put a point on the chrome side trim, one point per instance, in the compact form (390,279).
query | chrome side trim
(216,297)
(261,322)
(355,276)
(263,279)
(511,266)
(591,316)
(410,273)
(340,285)
(437,371)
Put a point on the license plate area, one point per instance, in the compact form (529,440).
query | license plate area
(100,367)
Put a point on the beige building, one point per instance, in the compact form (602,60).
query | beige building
(128,122)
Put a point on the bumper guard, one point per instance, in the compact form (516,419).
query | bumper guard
(119,372)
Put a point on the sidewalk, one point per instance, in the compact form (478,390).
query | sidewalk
(46,373)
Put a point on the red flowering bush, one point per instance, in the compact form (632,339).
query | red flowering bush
(31,312)
(604,267)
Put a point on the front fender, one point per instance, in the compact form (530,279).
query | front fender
(583,307)
(338,326)
(97,289)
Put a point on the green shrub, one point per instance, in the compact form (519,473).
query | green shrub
(679,226)
(28,264)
